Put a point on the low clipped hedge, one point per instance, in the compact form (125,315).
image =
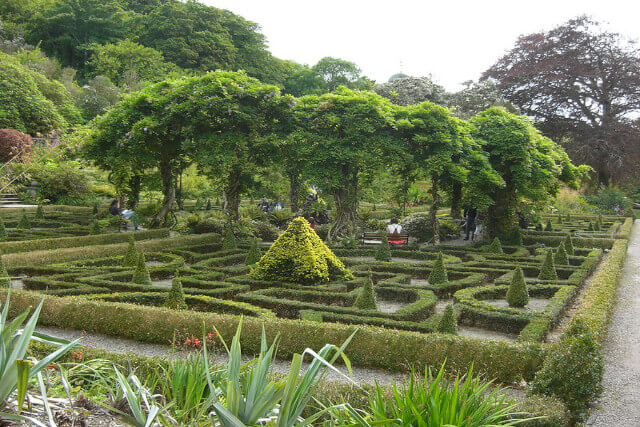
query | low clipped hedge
(371,346)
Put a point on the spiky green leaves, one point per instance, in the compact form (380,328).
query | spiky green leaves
(496,247)
(366,299)
(568,245)
(229,242)
(24,223)
(448,323)
(175,299)
(438,272)
(254,254)
(548,270)
(548,227)
(383,251)
(141,274)
(561,255)
(517,294)
(131,256)
(39,212)
(300,256)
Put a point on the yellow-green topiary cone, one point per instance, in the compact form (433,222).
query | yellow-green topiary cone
(141,274)
(438,272)
(548,270)
(175,299)
(448,323)
(561,255)
(496,247)
(366,299)
(517,294)
(300,256)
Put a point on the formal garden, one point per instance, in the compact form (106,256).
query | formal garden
(195,232)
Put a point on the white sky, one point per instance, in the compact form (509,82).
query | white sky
(452,40)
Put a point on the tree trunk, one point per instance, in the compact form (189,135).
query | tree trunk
(135,185)
(179,198)
(502,221)
(231,195)
(406,184)
(456,196)
(434,209)
(169,192)
(346,200)
(294,192)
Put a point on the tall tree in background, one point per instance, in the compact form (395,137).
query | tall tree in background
(338,72)
(411,90)
(582,86)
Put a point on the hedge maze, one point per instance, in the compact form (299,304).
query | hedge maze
(49,222)
(477,281)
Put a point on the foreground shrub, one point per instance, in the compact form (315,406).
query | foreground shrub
(448,323)
(548,270)
(299,256)
(439,272)
(572,371)
(496,247)
(517,294)
(141,274)
(383,251)
(366,299)
(175,299)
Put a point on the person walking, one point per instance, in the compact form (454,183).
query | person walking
(470,215)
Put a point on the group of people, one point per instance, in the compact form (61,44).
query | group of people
(473,223)
(127,215)
(266,206)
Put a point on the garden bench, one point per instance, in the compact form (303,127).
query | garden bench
(375,238)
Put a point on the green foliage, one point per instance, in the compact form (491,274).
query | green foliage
(548,270)
(609,198)
(628,212)
(229,242)
(299,256)
(438,272)
(561,255)
(208,204)
(24,223)
(559,218)
(141,274)
(366,299)
(63,181)
(448,323)
(95,228)
(175,298)
(5,279)
(3,230)
(568,245)
(495,247)
(95,209)
(39,212)
(596,225)
(549,226)
(383,251)
(131,255)
(517,294)
(572,371)
(254,254)
(568,216)
(590,226)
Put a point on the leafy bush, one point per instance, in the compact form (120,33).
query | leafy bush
(266,231)
(438,274)
(63,181)
(447,323)
(548,270)
(610,197)
(366,299)
(14,143)
(418,226)
(517,295)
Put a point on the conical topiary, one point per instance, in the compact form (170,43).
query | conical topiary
(24,223)
(131,255)
(95,228)
(95,209)
(559,219)
(366,299)
(596,225)
(548,270)
(568,245)
(561,255)
(175,299)
(516,238)
(141,275)
(39,212)
(568,217)
(517,294)
(298,255)
(600,219)
(229,241)
(208,207)
(548,227)
(448,323)
(254,254)
(438,272)
(3,230)
(590,226)
(539,227)
(383,251)
(496,247)
(5,279)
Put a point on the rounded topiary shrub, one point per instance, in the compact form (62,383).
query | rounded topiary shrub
(383,251)
(141,274)
(299,256)
(131,255)
(438,272)
(254,254)
(517,294)
(366,299)
(548,270)
(448,323)
(496,247)
(561,255)
(175,299)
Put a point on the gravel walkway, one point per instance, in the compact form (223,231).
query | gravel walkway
(619,404)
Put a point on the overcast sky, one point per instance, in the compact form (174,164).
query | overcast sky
(453,40)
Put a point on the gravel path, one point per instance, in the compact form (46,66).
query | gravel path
(619,404)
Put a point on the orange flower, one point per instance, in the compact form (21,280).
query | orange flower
(187,342)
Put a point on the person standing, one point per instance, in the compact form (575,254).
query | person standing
(470,215)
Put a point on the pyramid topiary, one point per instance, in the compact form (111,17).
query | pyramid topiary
(548,270)
(141,275)
(5,279)
(208,207)
(539,227)
(559,219)
(439,272)
(548,227)
(383,251)
(175,299)
(448,323)
(298,255)
(516,238)
(131,255)
(568,245)
(95,209)
(496,247)
(596,225)
(95,228)
(561,255)
(3,230)
(39,212)
(229,241)
(568,217)
(590,226)
(366,299)
(24,223)
(517,294)
(254,254)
